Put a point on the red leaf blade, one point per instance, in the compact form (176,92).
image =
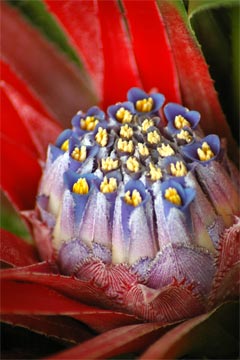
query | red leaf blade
(152,48)
(15,251)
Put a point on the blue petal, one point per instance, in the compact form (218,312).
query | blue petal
(187,194)
(66,134)
(190,151)
(135,94)
(112,110)
(171,110)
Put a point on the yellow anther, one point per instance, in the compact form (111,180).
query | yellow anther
(153,137)
(125,146)
(146,124)
(172,195)
(79,154)
(81,187)
(180,122)
(155,172)
(165,150)
(205,153)
(144,105)
(124,115)
(101,137)
(132,164)
(184,135)
(143,149)
(108,185)
(65,145)
(89,123)
(133,199)
(126,131)
(178,169)
(109,164)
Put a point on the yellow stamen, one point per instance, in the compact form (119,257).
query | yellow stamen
(126,132)
(144,105)
(79,154)
(181,122)
(108,185)
(185,135)
(155,172)
(89,123)
(109,164)
(205,153)
(178,169)
(132,164)
(124,115)
(165,150)
(153,137)
(146,124)
(101,137)
(125,146)
(172,195)
(133,199)
(81,187)
(143,149)
(65,145)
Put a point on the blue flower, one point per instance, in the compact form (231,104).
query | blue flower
(145,103)
(179,118)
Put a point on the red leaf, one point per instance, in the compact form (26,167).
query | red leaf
(120,70)
(8,75)
(12,125)
(125,339)
(60,84)
(152,48)
(15,251)
(28,119)
(197,87)
(20,174)
(60,327)
(15,299)
(98,31)
(227,279)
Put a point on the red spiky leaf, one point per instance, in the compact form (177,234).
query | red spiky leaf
(197,87)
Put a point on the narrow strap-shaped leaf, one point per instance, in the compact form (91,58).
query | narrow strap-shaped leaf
(60,327)
(15,251)
(152,48)
(52,77)
(15,299)
(196,84)
(122,340)
(97,30)
(9,76)
(27,119)
(20,174)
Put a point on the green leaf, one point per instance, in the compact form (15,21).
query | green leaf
(11,221)
(194,6)
(36,13)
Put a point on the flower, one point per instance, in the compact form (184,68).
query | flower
(141,209)
(138,214)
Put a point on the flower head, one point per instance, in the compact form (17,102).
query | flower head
(125,191)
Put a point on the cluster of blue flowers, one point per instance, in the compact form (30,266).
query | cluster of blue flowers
(139,186)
